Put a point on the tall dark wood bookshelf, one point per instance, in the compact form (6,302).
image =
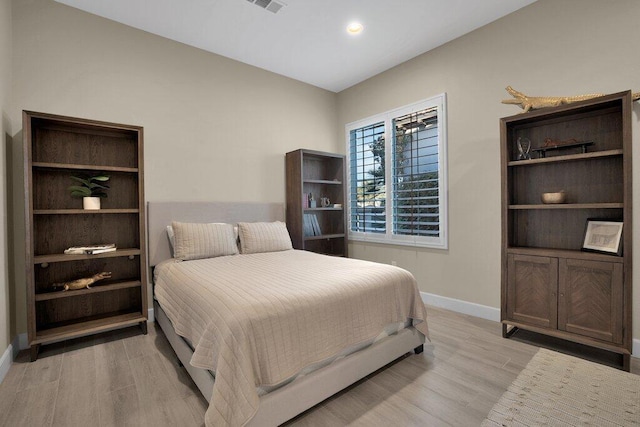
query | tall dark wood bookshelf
(322,175)
(55,148)
(550,285)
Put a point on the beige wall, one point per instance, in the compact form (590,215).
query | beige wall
(215,129)
(6,332)
(552,47)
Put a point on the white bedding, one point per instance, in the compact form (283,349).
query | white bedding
(259,319)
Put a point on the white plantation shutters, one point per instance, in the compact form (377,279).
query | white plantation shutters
(367,185)
(397,172)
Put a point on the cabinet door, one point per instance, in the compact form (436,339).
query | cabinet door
(591,299)
(532,283)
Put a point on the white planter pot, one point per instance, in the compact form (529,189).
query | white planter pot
(91,203)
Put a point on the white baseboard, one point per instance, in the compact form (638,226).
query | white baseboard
(5,362)
(484,312)
(10,354)
(150,316)
(464,307)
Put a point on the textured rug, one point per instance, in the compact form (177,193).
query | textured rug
(559,390)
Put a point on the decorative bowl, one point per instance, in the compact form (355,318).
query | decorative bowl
(553,198)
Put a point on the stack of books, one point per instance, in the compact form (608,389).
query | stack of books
(311,227)
(90,250)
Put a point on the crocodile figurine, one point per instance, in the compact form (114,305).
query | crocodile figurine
(85,282)
(534,102)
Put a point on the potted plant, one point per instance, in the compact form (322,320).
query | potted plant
(91,189)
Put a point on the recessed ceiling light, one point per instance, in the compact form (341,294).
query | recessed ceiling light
(354,28)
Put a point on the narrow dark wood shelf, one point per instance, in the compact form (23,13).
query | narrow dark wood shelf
(45,165)
(83,211)
(322,209)
(566,158)
(94,289)
(324,236)
(564,253)
(39,259)
(569,206)
(321,181)
(79,328)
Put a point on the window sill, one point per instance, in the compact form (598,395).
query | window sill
(440,244)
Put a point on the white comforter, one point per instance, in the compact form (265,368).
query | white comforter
(256,320)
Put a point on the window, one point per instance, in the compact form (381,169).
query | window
(397,176)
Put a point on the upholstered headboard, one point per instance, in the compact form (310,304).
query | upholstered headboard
(160,214)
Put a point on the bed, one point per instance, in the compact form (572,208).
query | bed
(269,334)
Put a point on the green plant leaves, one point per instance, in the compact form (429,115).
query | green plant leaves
(90,186)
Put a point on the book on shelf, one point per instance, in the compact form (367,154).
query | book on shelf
(90,250)
(316,225)
(311,226)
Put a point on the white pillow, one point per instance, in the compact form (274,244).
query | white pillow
(172,238)
(256,237)
(196,241)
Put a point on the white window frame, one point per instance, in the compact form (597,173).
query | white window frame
(439,242)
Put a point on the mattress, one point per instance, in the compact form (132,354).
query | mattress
(260,320)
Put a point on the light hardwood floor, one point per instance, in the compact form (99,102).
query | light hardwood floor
(123,378)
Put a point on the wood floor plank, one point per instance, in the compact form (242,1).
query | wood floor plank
(44,370)
(121,408)
(77,399)
(33,406)
(159,398)
(113,370)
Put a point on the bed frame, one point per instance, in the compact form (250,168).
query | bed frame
(303,393)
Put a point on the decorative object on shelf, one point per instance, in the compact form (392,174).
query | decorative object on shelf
(91,189)
(535,102)
(337,205)
(90,250)
(524,148)
(325,202)
(554,198)
(85,282)
(603,235)
(548,142)
(551,145)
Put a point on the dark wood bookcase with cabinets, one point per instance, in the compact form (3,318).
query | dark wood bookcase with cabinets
(55,148)
(549,284)
(321,175)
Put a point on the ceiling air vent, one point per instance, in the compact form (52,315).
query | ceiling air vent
(270,5)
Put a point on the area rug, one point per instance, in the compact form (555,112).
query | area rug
(559,390)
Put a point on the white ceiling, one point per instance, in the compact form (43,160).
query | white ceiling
(306,40)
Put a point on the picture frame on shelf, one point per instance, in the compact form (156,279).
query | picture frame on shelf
(603,236)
